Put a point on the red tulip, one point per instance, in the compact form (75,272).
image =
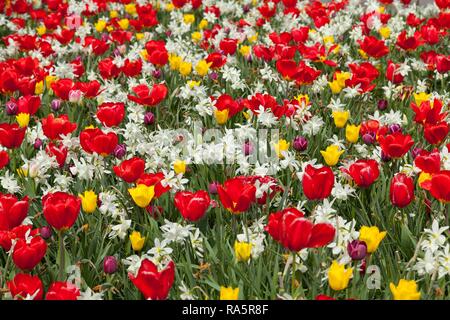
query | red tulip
(228,46)
(94,140)
(111,114)
(436,133)
(428,112)
(154,284)
(192,206)
(29,252)
(290,228)
(236,195)
(25,285)
(11,135)
(62,291)
(429,162)
(395,145)
(148,97)
(61,209)
(28,104)
(108,69)
(392,73)
(440,186)
(401,191)
(53,127)
(90,89)
(62,87)
(157,52)
(4,159)
(12,211)
(132,68)
(362,75)
(154,179)
(442,63)
(317,183)
(373,47)
(226,102)
(409,43)
(7,236)
(130,170)
(216,59)
(363,172)
(58,151)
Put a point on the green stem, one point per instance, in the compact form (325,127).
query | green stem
(61,255)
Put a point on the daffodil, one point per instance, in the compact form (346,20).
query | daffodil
(41,30)
(372,237)
(88,201)
(229,293)
(137,241)
(242,251)
(331,155)
(339,276)
(142,194)
(174,61)
(405,290)
(196,36)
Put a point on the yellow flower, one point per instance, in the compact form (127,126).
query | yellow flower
(130,9)
(405,290)
(189,18)
(113,14)
(174,61)
(192,83)
(372,237)
(380,9)
(339,276)
(144,54)
(331,155)
(340,118)
(423,177)
(196,36)
(352,133)
(280,147)
(253,38)
(385,32)
(203,24)
(124,24)
(185,68)
(39,88)
(88,201)
(244,50)
(335,87)
(202,67)
(328,39)
(421,97)
(100,25)
(302,98)
(49,80)
(22,172)
(363,54)
(139,36)
(23,119)
(179,166)
(169,7)
(142,194)
(41,30)
(341,77)
(242,250)
(137,242)
(228,293)
(221,116)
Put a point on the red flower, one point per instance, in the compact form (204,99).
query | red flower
(363,172)
(58,151)
(12,211)
(24,284)
(29,252)
(6,237)
(237,195)
(226,102)
(395,145)
(429,162)
(228,46)
(61,209)
(154,179)
(290,228)
(28,104)
(436,133)
(428,112)
(132,68)
(90,89)
(392,73)
(53,127)
(362,74)
(216,59)
(442,63)
(192,206)
(62,291)
(62,87)
(111,114)
(130,170)
(11,135)
(440,186)
(409,43)
(95,140)
(148,97)
(154,284)
(4,159)
(373,47)
(317,183)
(401,191)
(157,52)
(108,69)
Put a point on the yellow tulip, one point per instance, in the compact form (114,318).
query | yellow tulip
(137,242)
(340,118)
(49,80)
(39,88)
(372,237)
(124,24)
(339,276)
(280,147)
(341,77)
(185,68)
(189,18)
(331,155)
(202,67)
(203,24)
(229,293)
(179,166)
(100,25)
(41,30)
(421,97)
(23,119)
(174,62)
(196,36)
(113,14)
(142,195)
(140,36)
(244,50)
(335,87)
(352,133)
(130,9)
(242,251)
(88,201)
(405,290)
(221,116)
(385,32)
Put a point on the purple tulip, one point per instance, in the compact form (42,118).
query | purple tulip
(357,249)
(300,143)
(110,264)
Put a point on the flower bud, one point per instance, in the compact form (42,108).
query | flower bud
(212,188)
(213,76)
(248,148)
(110,264)
(75,96)
(415,152)
(37,143)
(357,249)
(156,73)
(46,232)
(11,108)
(149,118)
(56,104)
(369,138)
(385,157)
(382,105)
(120,151)
(300,143)
(395,128)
